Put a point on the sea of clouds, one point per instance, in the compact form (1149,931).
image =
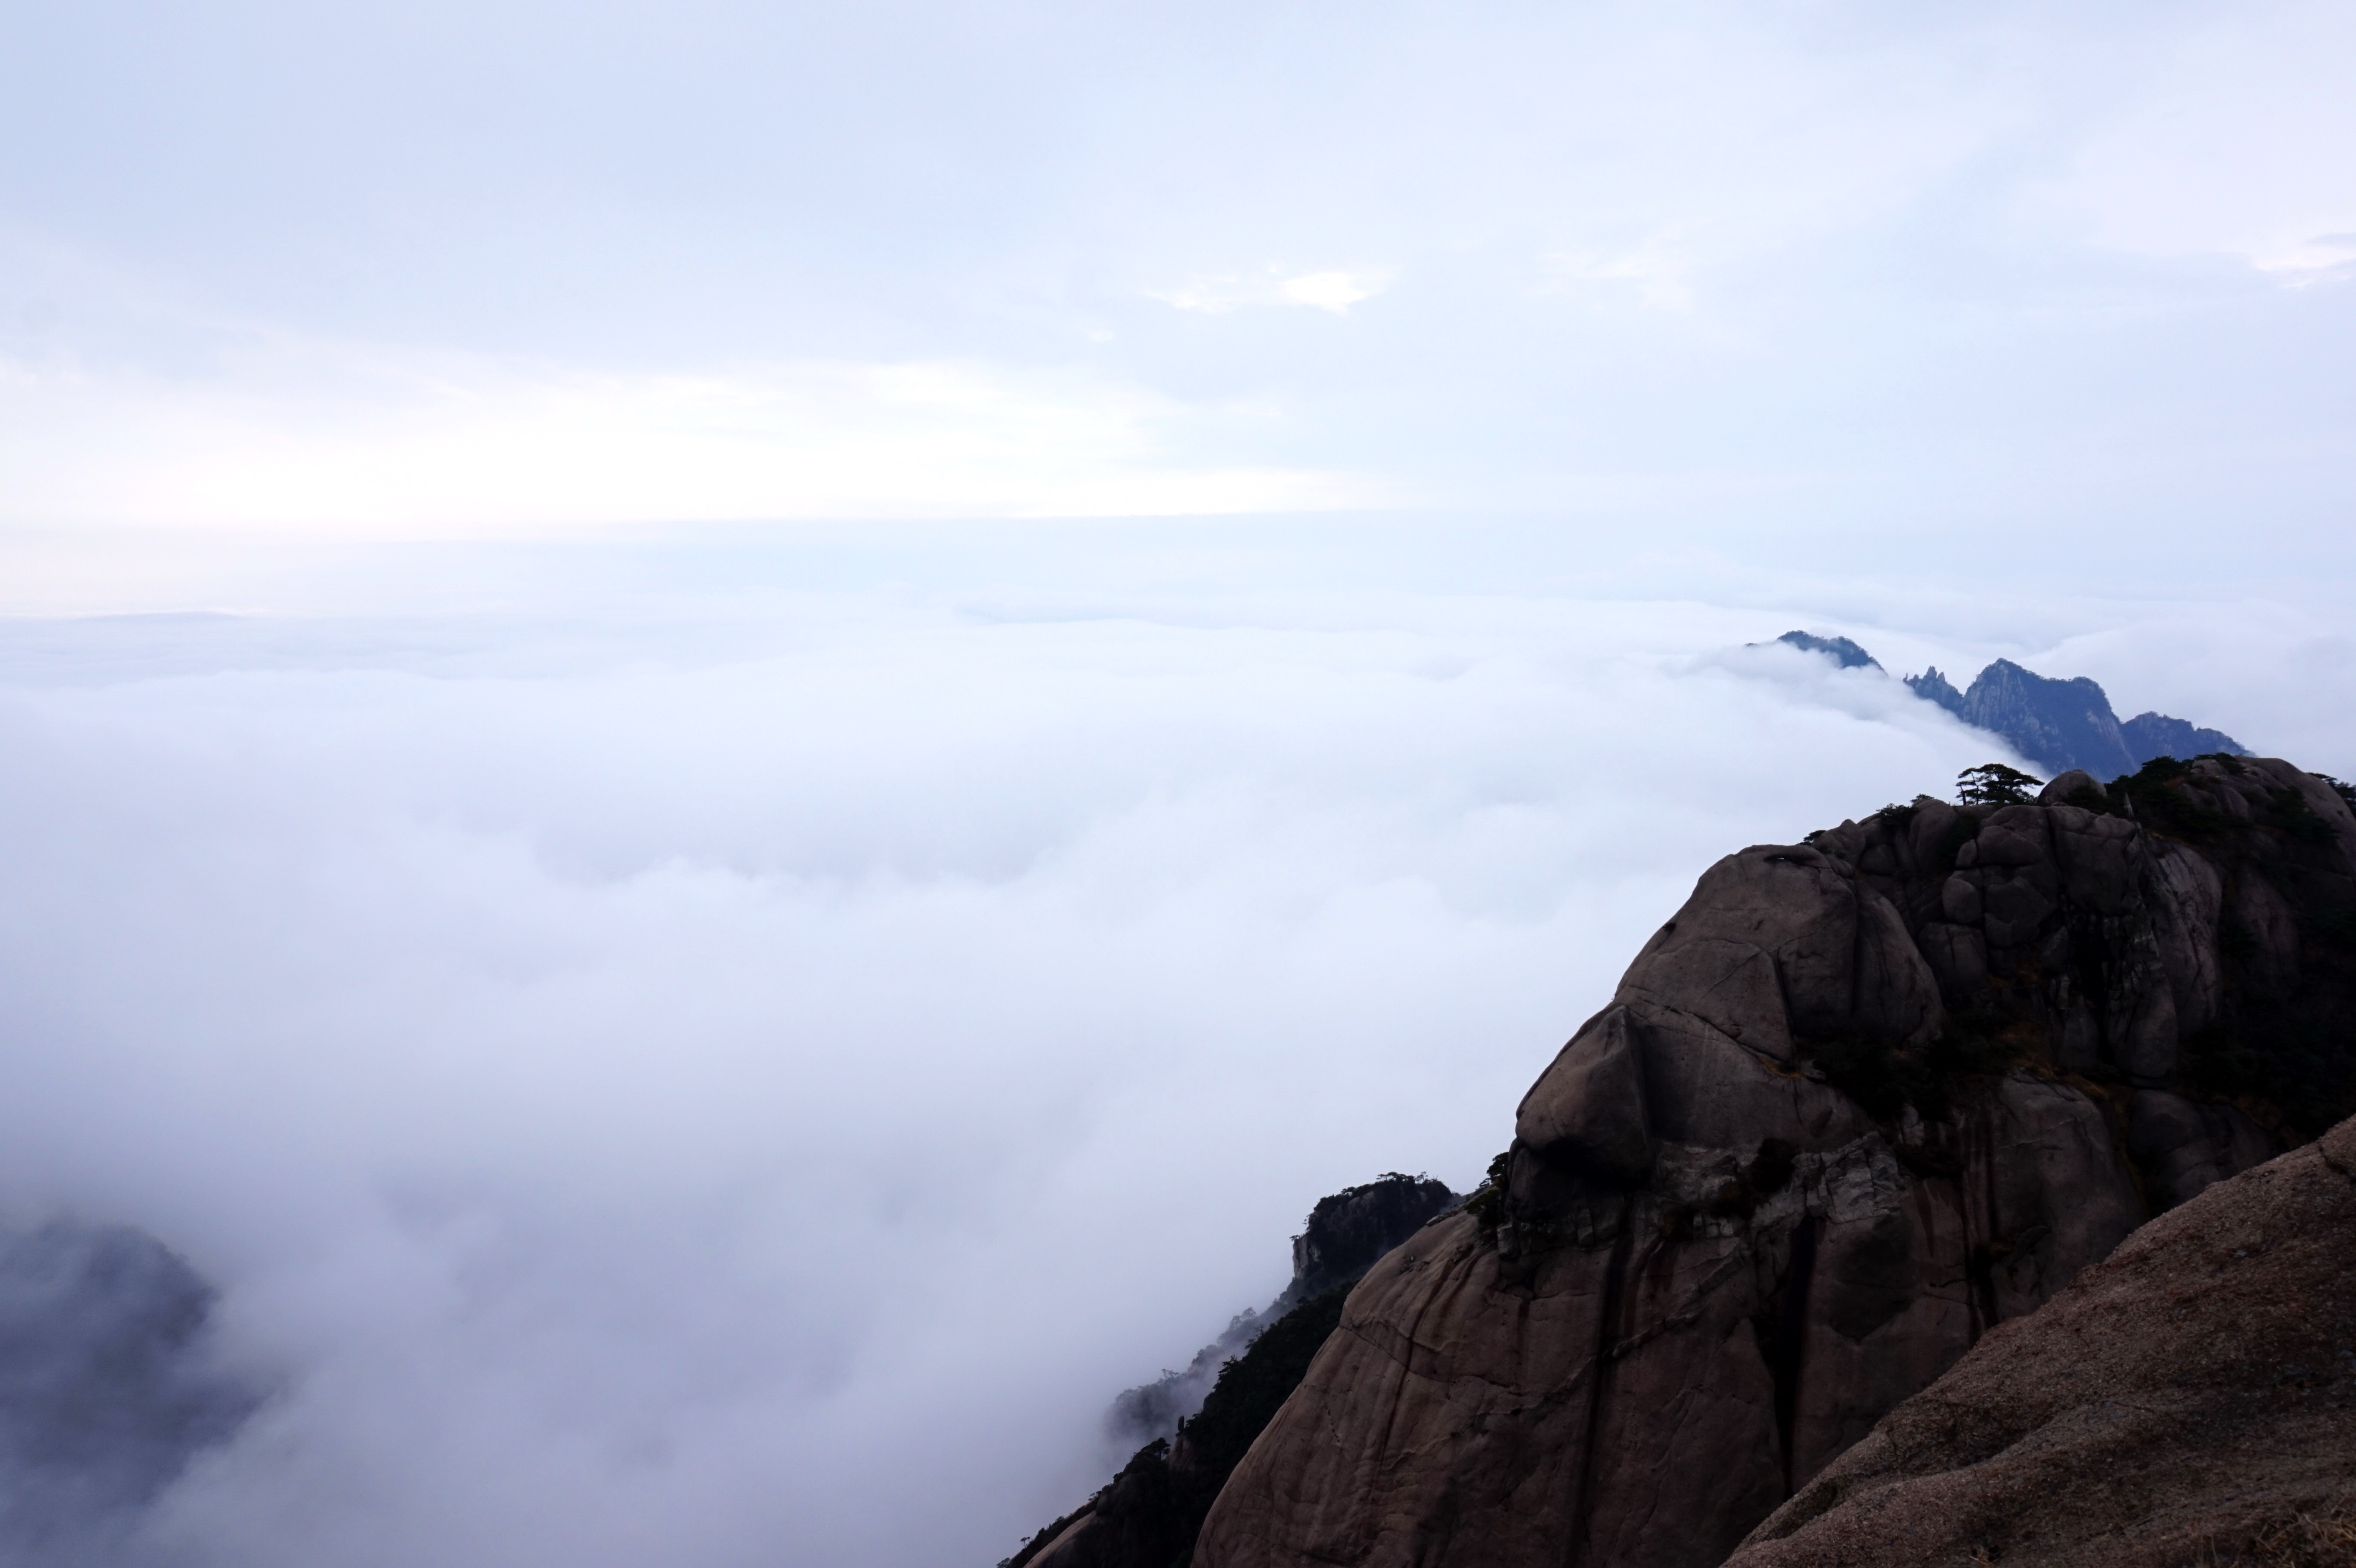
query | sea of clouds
(735,1063)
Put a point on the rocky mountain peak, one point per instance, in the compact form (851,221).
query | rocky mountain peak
(1840,650)
(1195,1423)
(1862,1100)
(1350,1231)
(2057,724)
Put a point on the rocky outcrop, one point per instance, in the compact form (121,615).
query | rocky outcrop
(1196,1422)
(1345,1235)
(1864,1099)
(1350,1230)
(2189,1401)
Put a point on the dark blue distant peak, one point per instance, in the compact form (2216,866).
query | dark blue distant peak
(1932,687)
(1842,652)
(2061,724)
(2150,735)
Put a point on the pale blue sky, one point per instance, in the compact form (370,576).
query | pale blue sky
(485,268)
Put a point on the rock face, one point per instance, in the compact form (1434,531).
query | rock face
(1864,1099)
(1147,1516)
(2193,1397)
(2058,723)
(1343,1236)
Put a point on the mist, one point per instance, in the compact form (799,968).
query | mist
(744,1072)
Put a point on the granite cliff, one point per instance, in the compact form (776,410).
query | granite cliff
(1866,1098)
(1345,1235)
(1199,1421)
(2192,1398)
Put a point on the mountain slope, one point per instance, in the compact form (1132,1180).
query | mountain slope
(2190,1400)
(1862,1100)
(1147,1516)
(2057,724)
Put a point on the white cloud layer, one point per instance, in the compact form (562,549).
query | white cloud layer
(742,1072)
(727,1045)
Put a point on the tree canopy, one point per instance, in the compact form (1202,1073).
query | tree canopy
(1994,784)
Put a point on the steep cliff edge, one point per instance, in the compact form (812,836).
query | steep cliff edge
(1198,1422)
(2189,1402)
(1863,1099)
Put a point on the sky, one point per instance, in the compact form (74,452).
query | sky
(740,741)
(456,269)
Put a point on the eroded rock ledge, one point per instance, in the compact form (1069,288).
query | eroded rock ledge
(1862,1100)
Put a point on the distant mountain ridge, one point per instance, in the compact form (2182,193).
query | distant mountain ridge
(2055,723)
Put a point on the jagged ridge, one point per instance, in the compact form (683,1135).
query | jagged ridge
(2058,724)
(1147,1516)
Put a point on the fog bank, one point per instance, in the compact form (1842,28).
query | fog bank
(733,1076)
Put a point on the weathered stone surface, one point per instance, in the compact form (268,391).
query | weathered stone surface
(2188,901)
(1192,1425)
(2063,785)
(2190,1401)
(1860,1102)
(1587,1114)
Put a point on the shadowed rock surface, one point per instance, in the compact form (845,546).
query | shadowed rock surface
(2058,724)
(2150,735)
(2192,1398)
(105,1393)
(1148,1515)
(1340,1240)
(1862,1100)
